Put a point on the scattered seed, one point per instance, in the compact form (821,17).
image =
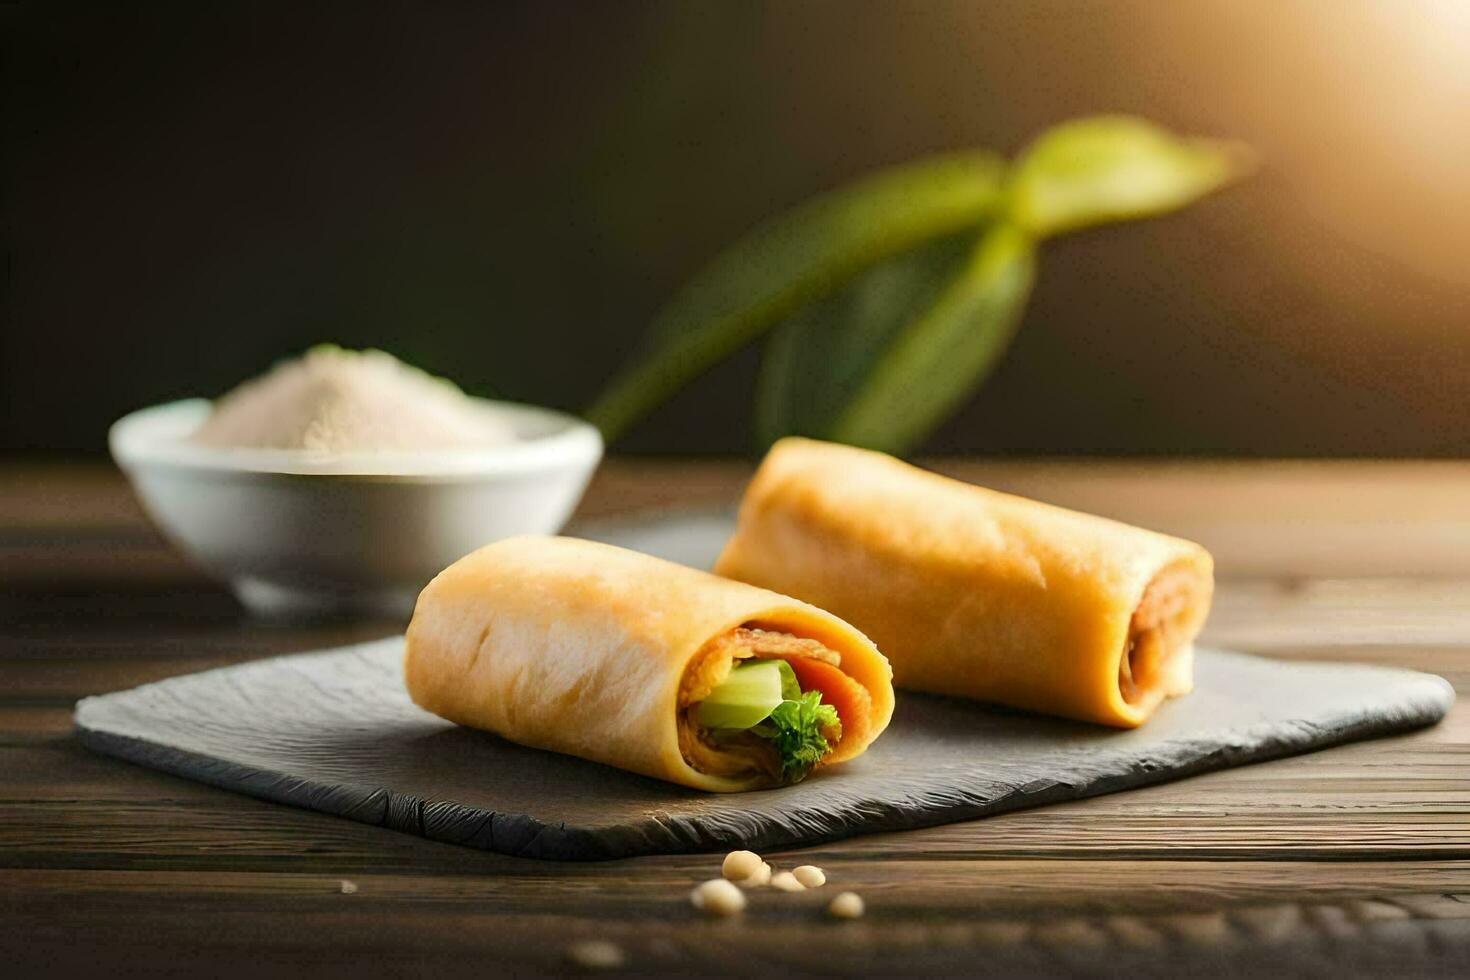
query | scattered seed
(848,905)
(785,881)
(760,879)
(347,887)
(718,897)
(596,954)
(740,865)
(810,875)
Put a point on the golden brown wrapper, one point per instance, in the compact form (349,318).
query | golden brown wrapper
(580,647)
(976,593)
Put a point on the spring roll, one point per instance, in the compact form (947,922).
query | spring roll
(634,662)
(975,593)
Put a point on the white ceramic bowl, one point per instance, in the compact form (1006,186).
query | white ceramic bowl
(297,535)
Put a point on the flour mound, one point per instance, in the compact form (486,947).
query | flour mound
(334,401)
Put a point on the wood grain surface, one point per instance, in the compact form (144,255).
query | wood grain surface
(1351,862)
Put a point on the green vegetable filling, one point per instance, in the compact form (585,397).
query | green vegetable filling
(763,698)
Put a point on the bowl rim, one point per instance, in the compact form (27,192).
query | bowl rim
(157,436)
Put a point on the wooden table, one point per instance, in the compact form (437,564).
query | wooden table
(1354,860)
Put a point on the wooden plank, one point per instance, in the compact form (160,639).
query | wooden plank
(170,831)
(34,724)
(460,943)
(66,496)
(62,680)
(169,643)
(40,563)
(226,921)
(1326,518)
(127,625)
(1283,614)
(903,887)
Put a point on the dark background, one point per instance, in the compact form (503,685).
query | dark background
(505,193)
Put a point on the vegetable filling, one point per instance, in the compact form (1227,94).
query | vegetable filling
(765,701)
(763,698)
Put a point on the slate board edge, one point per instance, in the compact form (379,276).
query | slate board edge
(525,836)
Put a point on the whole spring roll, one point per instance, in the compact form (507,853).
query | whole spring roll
(639,663)
(976,593)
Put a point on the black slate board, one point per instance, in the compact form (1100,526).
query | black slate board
(334,731)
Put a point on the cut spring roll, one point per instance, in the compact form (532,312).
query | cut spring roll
(975,593)
(639,663)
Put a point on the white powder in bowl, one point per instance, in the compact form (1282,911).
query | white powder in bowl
(340,401)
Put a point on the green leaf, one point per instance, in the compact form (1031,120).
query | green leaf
(795,729)
(1113,168)
(817,359)
(793,259)
(909,360)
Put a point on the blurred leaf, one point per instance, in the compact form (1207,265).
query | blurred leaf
(889,319)
(1112,168)
(818,358)
(944,349)
(795,258)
